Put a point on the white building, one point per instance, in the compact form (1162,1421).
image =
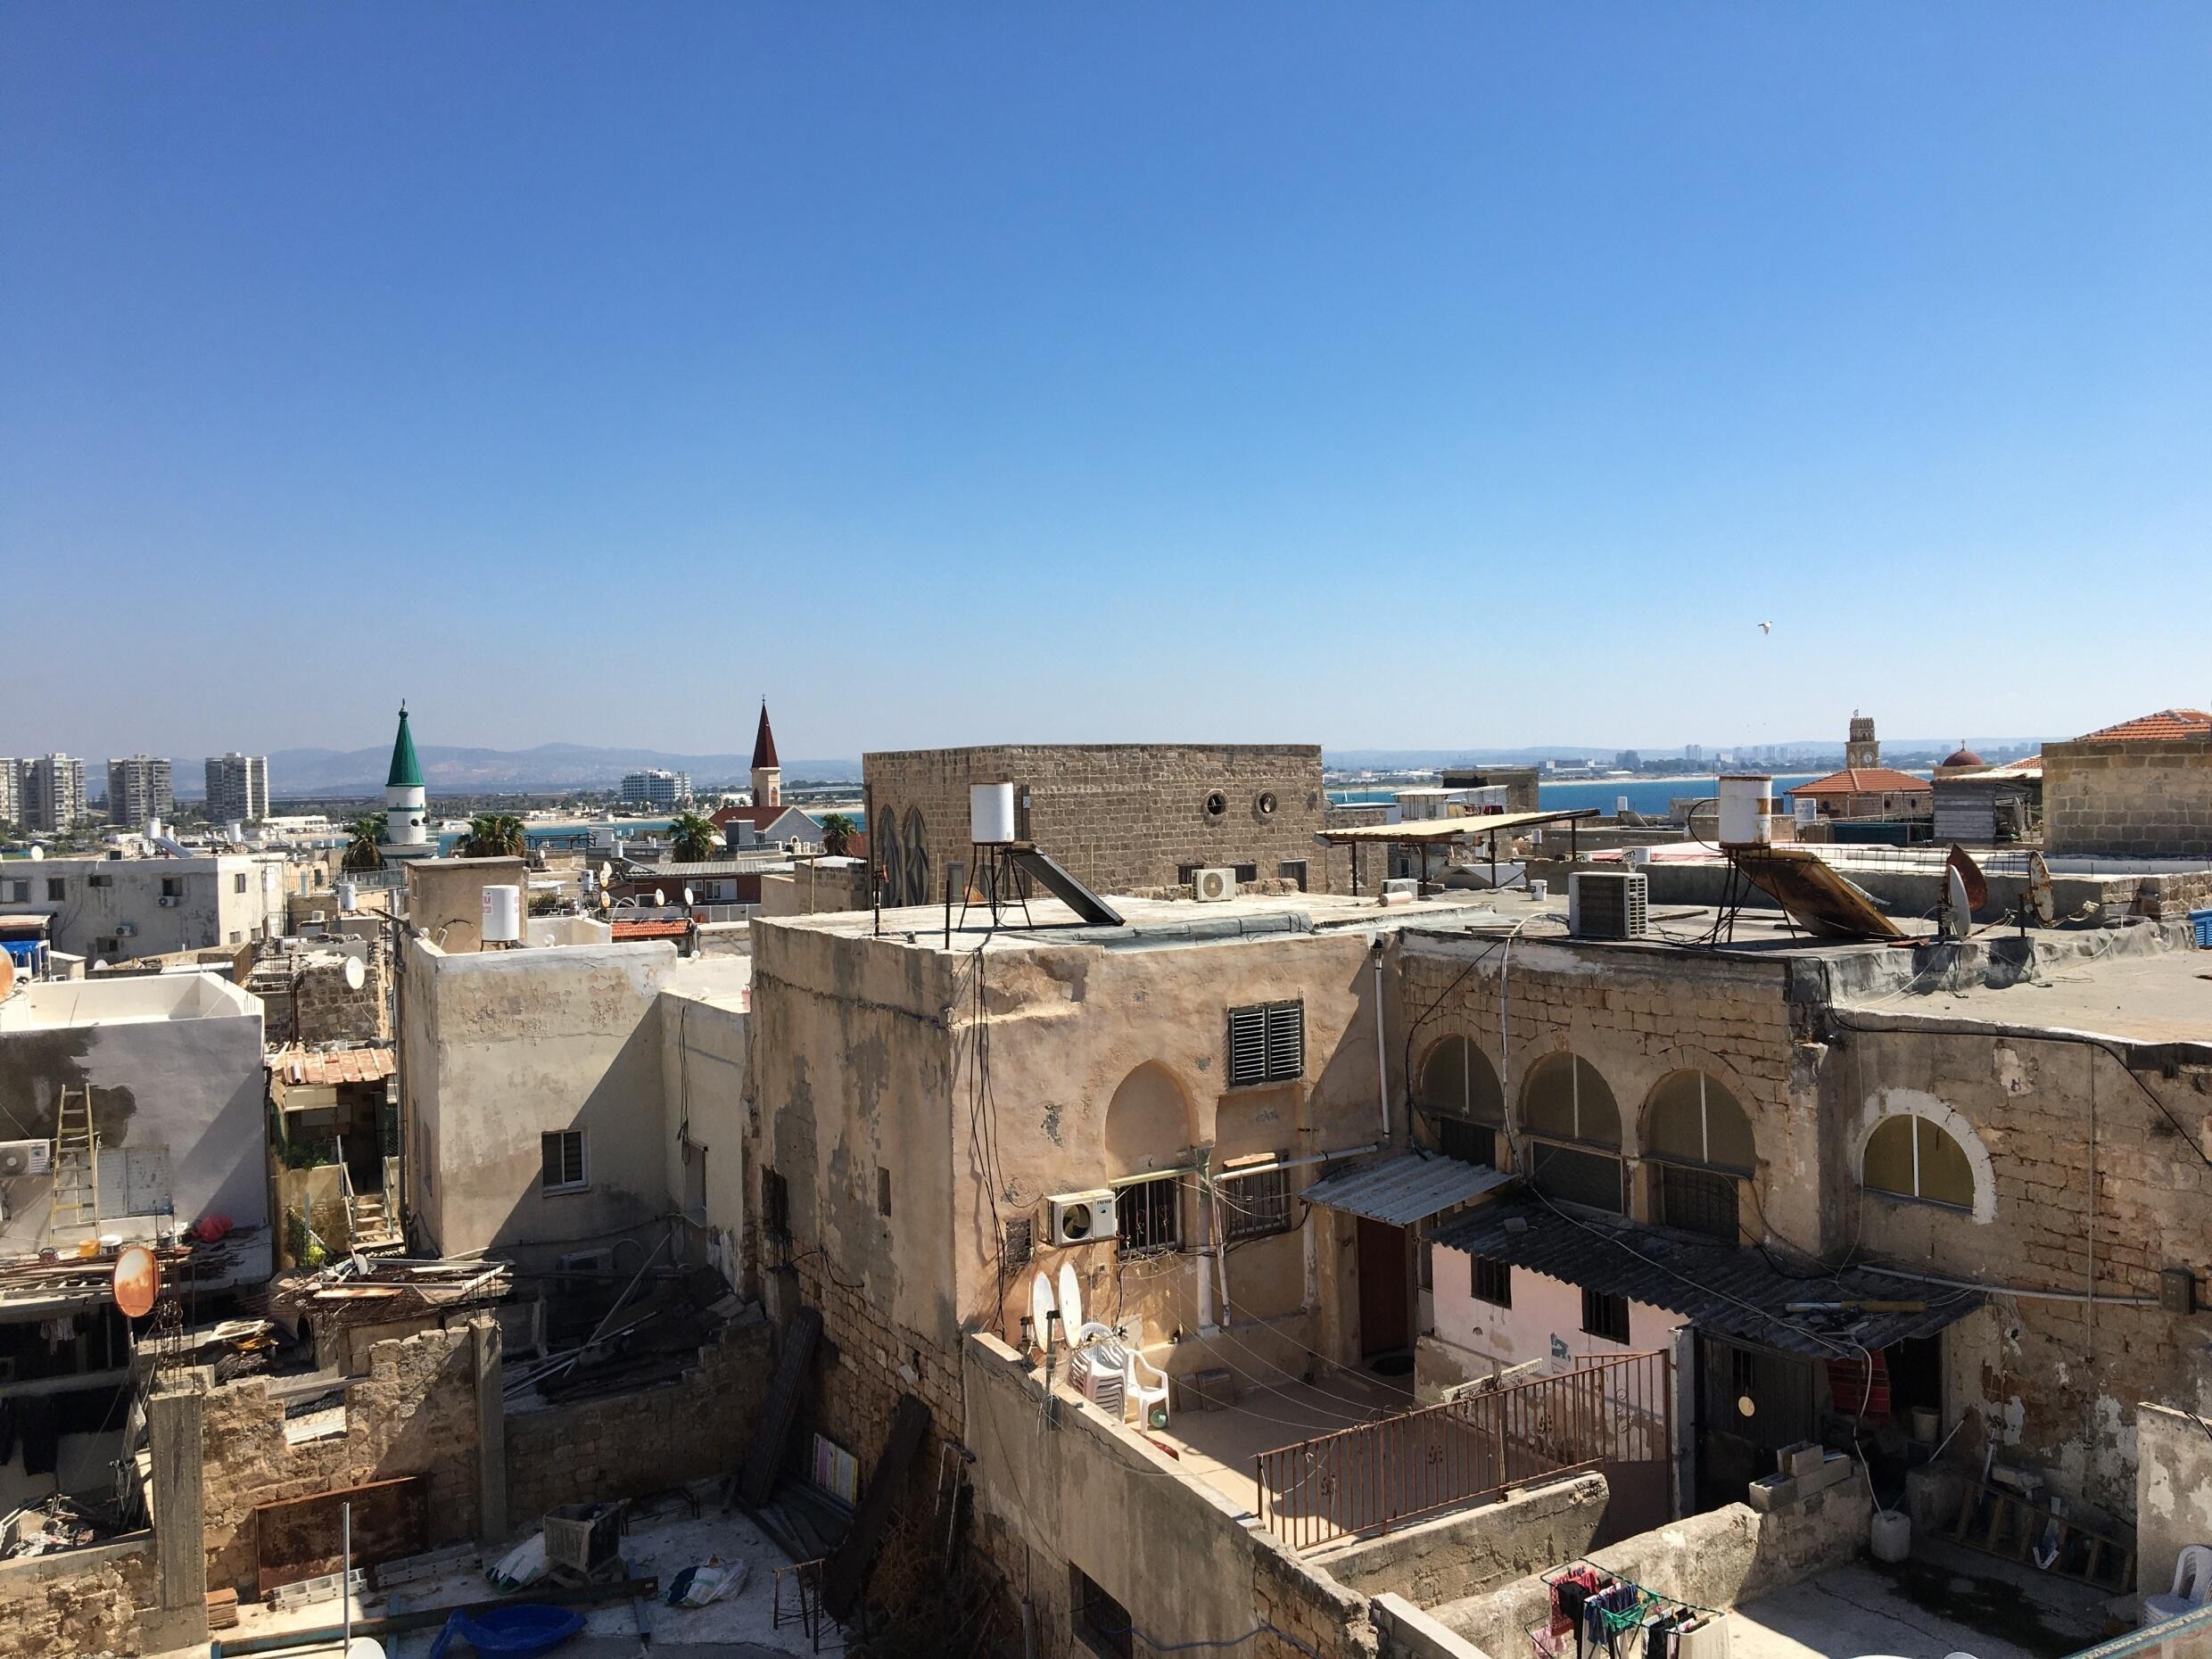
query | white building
(655,787)
(139,787)
(118,909)
(237,788)
(14,774)
(54,793)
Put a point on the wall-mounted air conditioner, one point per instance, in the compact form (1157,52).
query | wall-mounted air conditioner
(1608,904)
(1082,1217)
(1212,886)
(25,1158)
(168,901)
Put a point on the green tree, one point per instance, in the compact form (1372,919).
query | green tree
(365,845)
(837,831)
(493,835)
(693,839)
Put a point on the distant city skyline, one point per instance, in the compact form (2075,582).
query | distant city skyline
(1412,376)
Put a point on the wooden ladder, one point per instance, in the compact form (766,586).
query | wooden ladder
(76,1165)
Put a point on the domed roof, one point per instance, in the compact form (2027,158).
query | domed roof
(1964,756)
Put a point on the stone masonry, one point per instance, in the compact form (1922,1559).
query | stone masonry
(81,1602)
(1120,816)
(2139,798)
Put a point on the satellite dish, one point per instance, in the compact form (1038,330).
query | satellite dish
(659,897)
(1070,1299)
(356,976)
(606,899)
(138,1281)
(687,897)
(1041,1309)
(2040,897)
(37,853)
(606,871)
(1969,873)
(1958,913)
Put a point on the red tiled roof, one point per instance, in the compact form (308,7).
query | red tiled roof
(2168,722)
(1862,780)
(754,815)
(341,1065)
(652,929)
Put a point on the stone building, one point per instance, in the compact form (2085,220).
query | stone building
(2141,789)
(1124,817)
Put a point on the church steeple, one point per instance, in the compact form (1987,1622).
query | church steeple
(767,773)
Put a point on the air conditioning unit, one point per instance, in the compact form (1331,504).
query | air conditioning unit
(125,929)
(1211,886)
(169,901)
(1082,1217)
(1608,904)
(25,1158)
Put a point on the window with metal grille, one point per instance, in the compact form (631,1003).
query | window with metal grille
(1578,1177)
(1473,1144)
(1253,1206)
(19,892)
(1700,1201)
(1148,1215)
(56,889)
(1018,1245)
(1491,1281)
(1605,1316)
(1246,873)
(1102,1623)
(1294,870)
(562,1152)
(775,1205)
(1267,1044)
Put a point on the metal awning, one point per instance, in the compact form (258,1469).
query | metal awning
(1405,1188)
(1471,827)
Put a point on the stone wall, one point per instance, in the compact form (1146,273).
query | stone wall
(1454,1556)
(1120,816)
(628,1445)
(2143,799)
(1723,1558)
(2173,1492)
(82,1601)
(415,1413)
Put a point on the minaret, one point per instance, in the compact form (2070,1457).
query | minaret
(767,775)
(407,806)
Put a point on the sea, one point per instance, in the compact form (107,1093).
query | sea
(1649,796)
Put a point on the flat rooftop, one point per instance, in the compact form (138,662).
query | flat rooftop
(50,1004)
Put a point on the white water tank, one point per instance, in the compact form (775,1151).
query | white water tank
(1745,798)
(347,895)
(502,915)
(991,813)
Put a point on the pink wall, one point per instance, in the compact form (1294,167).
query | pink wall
(1542,1308)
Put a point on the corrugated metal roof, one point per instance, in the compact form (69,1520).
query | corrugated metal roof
(1449,829)
(1404,1189)
(1733,1292)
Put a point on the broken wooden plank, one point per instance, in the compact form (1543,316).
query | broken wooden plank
(846,1576)
(764,1455)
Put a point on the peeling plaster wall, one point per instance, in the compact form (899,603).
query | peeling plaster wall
(500,1048)
(2056,1381)
(2172,1492)
(703,1053)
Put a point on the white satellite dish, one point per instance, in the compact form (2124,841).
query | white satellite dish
(37,853)
(1958,915)
(606,899)
(356,976)
(606,871)
(1041,1309)
(1070,1299)
(2040,897)
(659,897)
(686,897)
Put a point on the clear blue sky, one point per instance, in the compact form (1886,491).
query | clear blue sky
(1372,375)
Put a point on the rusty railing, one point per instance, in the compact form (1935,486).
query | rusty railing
(1615,1414)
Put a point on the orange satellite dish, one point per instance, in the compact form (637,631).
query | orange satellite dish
(138,1281)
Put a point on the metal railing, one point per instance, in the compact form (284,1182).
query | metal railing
(1611,1414)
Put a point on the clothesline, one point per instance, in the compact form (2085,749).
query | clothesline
(1622,1578)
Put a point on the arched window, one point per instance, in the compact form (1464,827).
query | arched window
(1148,1128)
(1461,1102)
(1698,1140)
(1575,1128)
(1909,1157)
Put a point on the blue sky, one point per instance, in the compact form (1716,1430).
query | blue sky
(1381,376)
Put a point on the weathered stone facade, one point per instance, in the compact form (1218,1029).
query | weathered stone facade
(80,1602)
(2138,798)
(1120,816)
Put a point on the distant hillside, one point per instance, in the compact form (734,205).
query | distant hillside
(549,767)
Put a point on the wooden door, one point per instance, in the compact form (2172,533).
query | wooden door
(1385,1289)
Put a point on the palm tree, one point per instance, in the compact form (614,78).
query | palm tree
(493,835)
(692,839)
(364,849)
(837,831)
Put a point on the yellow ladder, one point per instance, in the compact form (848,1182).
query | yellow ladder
(76,1165)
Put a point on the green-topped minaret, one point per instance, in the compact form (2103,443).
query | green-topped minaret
(407,805)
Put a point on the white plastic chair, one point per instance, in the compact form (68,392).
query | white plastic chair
(2192,1586)
(1148,1386)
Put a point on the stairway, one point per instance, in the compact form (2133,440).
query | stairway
(369,1225)
(76,1203)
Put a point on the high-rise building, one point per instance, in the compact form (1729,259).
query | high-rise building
(655,787)
(13,776)
(237,787)
(139,787)
(53,794)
